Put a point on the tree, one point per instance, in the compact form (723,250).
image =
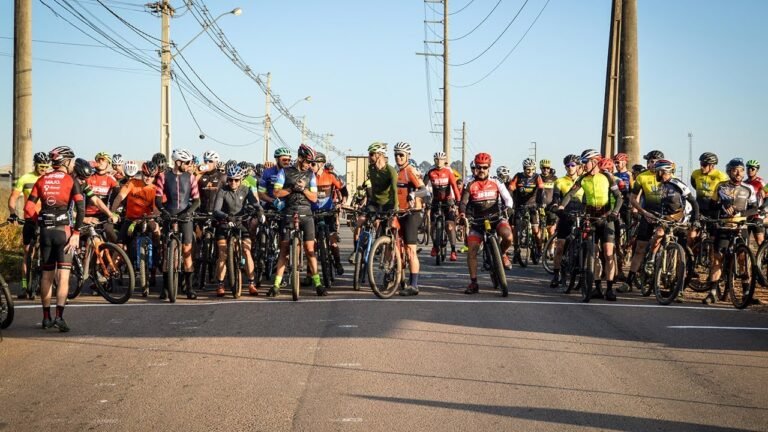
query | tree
(424,166)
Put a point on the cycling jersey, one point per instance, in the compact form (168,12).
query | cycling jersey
(327,186)
(647,183)
(625,181)
(139,199)
(740,196)
(208,184)
(383,185)
(102,185)
(56,191)
(443,183)
(296,202)
(177,190)
(267,181)
(408,180)
(231,202)
(25,183)
(562,186)
(252,183)
(757,184)
(548,193)
(484,198)
(526,190)
(598,190)
(674,200)
(705,185)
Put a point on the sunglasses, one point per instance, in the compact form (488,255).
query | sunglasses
(482,168)
(571,165)
(399,155)
(371,154)
(752,168)
(529,169)
(704,164)
(232,180)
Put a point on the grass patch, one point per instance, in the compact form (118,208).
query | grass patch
(10,240)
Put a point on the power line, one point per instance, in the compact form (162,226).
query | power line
(73,44)
(509,53)
(146,36)
(465,6)
(478,26)
(114,68)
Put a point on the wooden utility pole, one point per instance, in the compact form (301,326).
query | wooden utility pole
(267,119)
(629,93)
(446,88)
(609,145)
(22,88)
(166,12)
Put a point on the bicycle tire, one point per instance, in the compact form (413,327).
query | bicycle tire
(587,264)
(547,258)
(259,258)
(498,267)
(173,261)
(143,277)
(121,278)
(741,296)
(202,264)
(522,245)
(698,272)
(669,273)
(761,259)
(34,273)
(488,265)
(438,236)
(325,266)
(361,262)
(644,280)
(234,272)
(6,305)
(295,259)
(76,278)
(386,264)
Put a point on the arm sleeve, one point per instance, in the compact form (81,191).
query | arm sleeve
(505,196)
(616,191)
(218,204)
(280,180)
(30,207)
(694,206)
(194,190)
(77,196)
(393,187)
(454,186)
(464,200)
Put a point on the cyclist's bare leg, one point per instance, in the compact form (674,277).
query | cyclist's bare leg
(282,258)
(638,256)
(506,234)
(472,259)
(610,262)
(559,248)
(221,260)
(413,259)
(309,247)
(450,227)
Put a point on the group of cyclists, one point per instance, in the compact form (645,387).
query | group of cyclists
(64,193)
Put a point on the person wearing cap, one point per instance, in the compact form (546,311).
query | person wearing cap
(548,177)
(757,183)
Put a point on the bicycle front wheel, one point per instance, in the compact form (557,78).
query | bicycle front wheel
(548,255)
(173,261)
(6,305)
(113,274)
(34,273)
(741,276)
(498,267)
(587,264)
(234,272)
(699,265)
(296,261)
(669,273)
(385,269)
(762,264)
(326,268)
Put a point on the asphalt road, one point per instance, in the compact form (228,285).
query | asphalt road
(537,360)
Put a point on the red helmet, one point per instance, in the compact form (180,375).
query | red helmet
(605,164)
(621,157)
(482,159)
(149,169)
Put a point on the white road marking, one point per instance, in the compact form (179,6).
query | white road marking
(350,420)
(718,328)
(347,326)
(349,365)
(103,401)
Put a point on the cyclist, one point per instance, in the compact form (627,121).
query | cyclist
(484,197)
(599,185)
(131,169)
(565,224)
(757,183)
(208,183)
(232,200)
(548,177)
(178,196)
(298,186)
(161,161)
(328,184)
(267,182)
(637,169)
(56,192)
(527,190)
(502,174)
(732,198)
(23,186)
(445,192)
(118,168)
(410,192)
(621,173)
(248,178)
(102,184)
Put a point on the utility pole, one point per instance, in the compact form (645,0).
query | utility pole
(533,151)
(629,93)
(463,150)
(166,12)
(267,119)
(609,144)
(690,152)
(446,88)
(22,88)
(303,129)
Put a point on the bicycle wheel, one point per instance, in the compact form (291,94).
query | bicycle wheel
(234,263)
(296,261)
(112,273)
(326,268)
(202,264)
(669,273)
(741,276)
(522,244)
(568,265)
(361,261)
(76,277)
(762,264)
(34,273)
(259,257)
(698,267)
(587,264)
(548,255)
(459,232)
(498,267)
(385,271)
(142,270)
(173,260)
(438,237)
(6,305)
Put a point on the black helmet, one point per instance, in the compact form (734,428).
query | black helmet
(708,158)
(733,163)
(83,168)
(161,161)
(638,168)
(571,158)
(59,154)
(258,170)
(654,155)
(307,153)
(320,157)
(149,169)
(41,158)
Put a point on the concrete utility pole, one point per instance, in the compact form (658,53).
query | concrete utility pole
(267,119)
(166,12)
(629,93)
(446,88)
(609,144)
(463,150)
(22,88)
(533,151)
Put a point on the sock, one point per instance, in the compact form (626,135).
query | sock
(609,284)
(24,283)
(453,248)
(59,311)
(599,284)
(46,312)
(278,279)
(221,283)
(473,280)
(250,282)
(316,280)
(414,280)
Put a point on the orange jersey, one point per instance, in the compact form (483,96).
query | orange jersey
(408,180)
(140,199)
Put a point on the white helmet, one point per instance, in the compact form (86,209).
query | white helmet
(440,155)
(403,147)
(502,172)
(117,159)
(210,156)
(131,168)
(529,163)
(181,155)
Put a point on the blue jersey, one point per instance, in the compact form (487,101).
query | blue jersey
(625,181)
(267,181)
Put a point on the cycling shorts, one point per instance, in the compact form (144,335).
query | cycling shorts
(409,227)
(331,223)
(29,232)
(450,214)
(222,232)
(477,230)
(551,218)
(533,211)
(306,225)
(564,227)
(52,243)
(125,238)
(604,232)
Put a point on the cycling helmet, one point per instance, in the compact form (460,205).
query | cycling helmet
(160,160)
(735,163)
(258,170)
(230,163)
(59,154)
(663,165)
(235,172)
(439,155)
(377,147)
(83,168)
(571,158)
(605,164)
(282,151)
(502,172)
(753,163)
(472,164)
(195,160)
(131,168)
(589,154)
(654,155)
(41,158)
(545,163)
(402,147)
(182,155)
(621,157)
(529,163)
(247,167)
(637,168)
(210,156)
(220,166)
(103,155)
(307,153)
(329,166)
(149,169)
(320,157)
(708,158)
(482,159)
(117,159)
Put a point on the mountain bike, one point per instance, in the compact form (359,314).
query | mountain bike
(492,262)
(369,231)
(323,242)
(295,256)
(389,258)
(205,253)
(6,301)
(699,259)
(439,239)
(740,267)
(236,260)
(142,250)
(581,251)
(266,247)
(172,256)
(425,231)
(524,235)
(669,263)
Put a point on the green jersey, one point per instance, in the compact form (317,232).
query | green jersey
(383,185)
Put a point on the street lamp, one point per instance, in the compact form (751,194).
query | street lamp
(235,12)
(308,99)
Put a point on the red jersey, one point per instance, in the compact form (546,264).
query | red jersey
(408,180)
(140,199)
(55,191)
(101,184)
(444,185)
(483,198)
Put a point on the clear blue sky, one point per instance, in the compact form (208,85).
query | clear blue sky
(703,65)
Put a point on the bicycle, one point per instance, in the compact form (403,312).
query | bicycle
(266,248)
(669,264)
(739,263)
(580,255)
(699,259)
(323,242)
(440,240)
(295,259)
(369,231)
(389,258)
(172,256)
(524,236)
(142,249)
(6,301)
(236,261)
(425,231)
(492,262)
(205,253)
